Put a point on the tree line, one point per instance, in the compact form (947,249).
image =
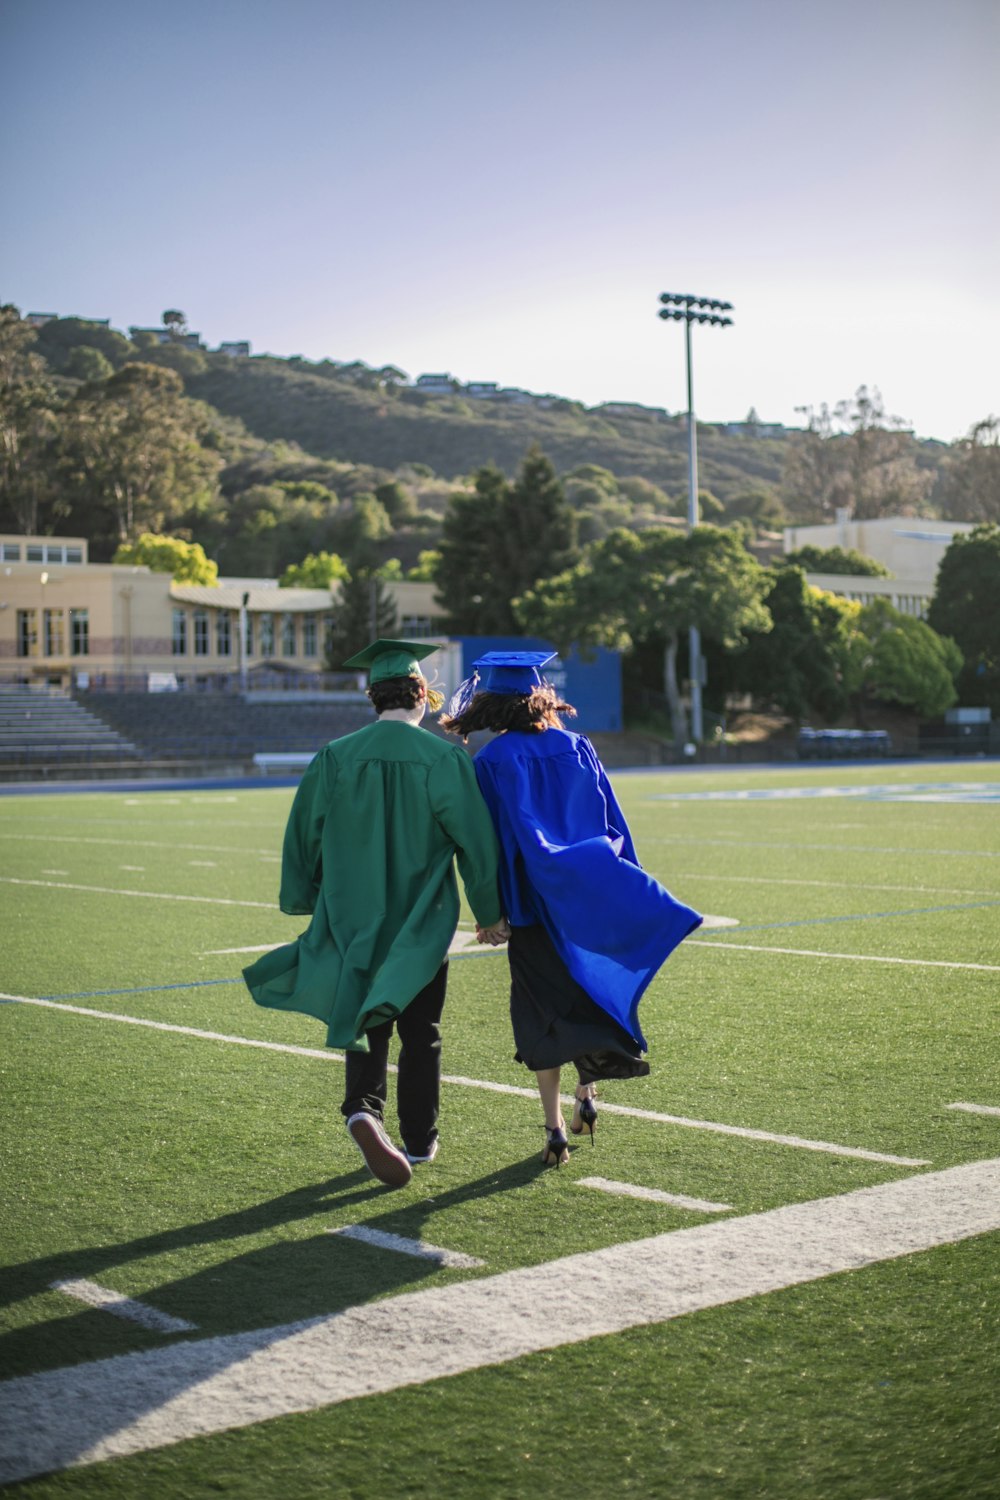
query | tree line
(102,437)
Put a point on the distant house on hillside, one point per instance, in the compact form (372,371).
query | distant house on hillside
(167,336)
(437,385)
(755,429)
(628,409)
(238,350)
(39,320)
(482,390)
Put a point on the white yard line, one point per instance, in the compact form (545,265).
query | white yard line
(743,1131)
(123,1307)
(653,1195)
(382,1240)
(107,890)
(976,1109)
(44,837)
(137,1402)
(676,876)
(208,1036)
(861,958)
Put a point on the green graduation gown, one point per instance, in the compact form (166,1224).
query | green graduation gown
(369,852)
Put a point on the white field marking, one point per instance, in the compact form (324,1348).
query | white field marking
(107,890)
(837,885)
(738,843)
(976,1109)
(653,1195)
(204,864)
(256,948)
(862,958)
(124,1307)
(55,872)
(134,869)
(452,1259)
(325,1055)
(136,1402)
(73,838)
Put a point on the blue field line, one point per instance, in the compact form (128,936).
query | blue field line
(191,984)
(143,989)
(733,933)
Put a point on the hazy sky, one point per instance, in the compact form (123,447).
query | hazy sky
(501,190)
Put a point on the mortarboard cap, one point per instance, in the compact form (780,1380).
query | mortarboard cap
(385,658)
(512,671)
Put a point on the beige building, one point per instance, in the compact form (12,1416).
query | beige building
(910,548)
(68,621)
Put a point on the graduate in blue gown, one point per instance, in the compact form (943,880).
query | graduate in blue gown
(589,927)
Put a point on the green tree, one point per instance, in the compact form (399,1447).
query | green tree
(363,612)
(88,364)
(899,659)
(29,493)
(498,541)
(184,561)
(174,322)
(317,571)
(840,560)
(426,566)
(964,607)
(58,338)
(132,452)
(800,667)
(632,587)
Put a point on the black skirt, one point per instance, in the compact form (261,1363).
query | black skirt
(554,1019)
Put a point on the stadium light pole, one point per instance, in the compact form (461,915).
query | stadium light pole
(688,309)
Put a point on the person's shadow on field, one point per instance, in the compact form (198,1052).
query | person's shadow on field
(275,1283)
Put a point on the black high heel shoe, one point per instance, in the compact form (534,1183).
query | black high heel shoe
(584,1114)
(556,1148)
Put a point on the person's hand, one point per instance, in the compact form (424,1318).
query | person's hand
(494,935)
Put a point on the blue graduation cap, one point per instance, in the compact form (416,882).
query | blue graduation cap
(512,671)
(501,672)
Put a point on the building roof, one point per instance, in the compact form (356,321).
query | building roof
(259,601)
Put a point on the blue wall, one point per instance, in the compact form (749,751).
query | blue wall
(593,687)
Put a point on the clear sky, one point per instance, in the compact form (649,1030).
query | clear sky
(501,191)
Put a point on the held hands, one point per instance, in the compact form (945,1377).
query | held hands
(495,935)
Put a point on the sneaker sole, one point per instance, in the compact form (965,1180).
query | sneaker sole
(381,1157)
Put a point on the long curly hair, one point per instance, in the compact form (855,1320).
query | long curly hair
(530,713)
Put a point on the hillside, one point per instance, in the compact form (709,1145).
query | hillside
(454,434)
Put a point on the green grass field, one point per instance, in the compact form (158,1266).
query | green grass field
(855,1001)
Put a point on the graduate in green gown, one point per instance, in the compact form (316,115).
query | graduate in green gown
(378,822)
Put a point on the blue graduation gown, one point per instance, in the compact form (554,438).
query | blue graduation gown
(567,860)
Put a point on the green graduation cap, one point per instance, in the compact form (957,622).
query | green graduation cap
(392,659)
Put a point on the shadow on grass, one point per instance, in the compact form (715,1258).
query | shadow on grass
(268,1285)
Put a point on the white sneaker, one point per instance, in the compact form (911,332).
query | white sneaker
(381,1157)
(431,1153)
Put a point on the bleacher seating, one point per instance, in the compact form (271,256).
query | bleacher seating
(43,728)
(224,726)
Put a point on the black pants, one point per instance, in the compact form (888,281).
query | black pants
(418,1087)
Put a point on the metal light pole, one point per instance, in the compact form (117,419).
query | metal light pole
(687,309)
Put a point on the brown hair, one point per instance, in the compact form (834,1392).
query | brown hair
(395,692)
(531,713)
